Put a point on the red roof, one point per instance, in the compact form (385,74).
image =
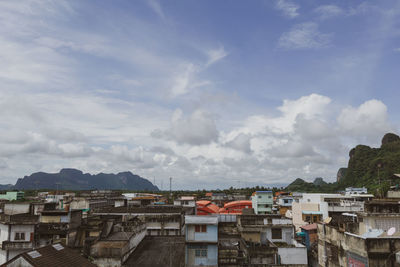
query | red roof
(205,207)
(309,227)
(238,204)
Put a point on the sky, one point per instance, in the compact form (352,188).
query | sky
(211,93)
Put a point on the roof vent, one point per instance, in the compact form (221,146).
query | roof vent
(34,254)
(58,247)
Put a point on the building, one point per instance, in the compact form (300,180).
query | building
(262,202)
(116,245)
(160,220)
(284,203)
(366,238)
(14,195)
(201,241)
(17,230)
(269,239)
(58,226)
(185,201)
(315,207)
(52,255)
(309,234)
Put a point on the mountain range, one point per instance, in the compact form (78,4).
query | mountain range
(73,179)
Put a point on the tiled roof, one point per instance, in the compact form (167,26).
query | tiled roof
(54,255)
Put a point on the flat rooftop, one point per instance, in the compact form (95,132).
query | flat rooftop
(159,251)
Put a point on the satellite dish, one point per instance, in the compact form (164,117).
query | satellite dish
(328,220)
(391,231)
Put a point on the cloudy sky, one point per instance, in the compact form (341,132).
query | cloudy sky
(212,93)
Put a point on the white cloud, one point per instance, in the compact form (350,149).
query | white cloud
(328,11)
(197,129)
(241,142)
(369,120)
(181,83)
(288,8)
(304,36)
(215,55)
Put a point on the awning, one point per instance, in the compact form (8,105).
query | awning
(312,212)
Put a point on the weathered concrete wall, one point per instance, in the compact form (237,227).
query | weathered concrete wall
(296,255)
(298,208)
(107,262)
(14,208)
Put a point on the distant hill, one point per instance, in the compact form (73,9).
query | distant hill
(319,185)
(319,181)
(69,179)
(6,187)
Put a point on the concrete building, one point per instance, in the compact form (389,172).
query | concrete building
(115,249)
(201,241)
(269,239)
(313,208)
(58,226)
(367,238)
(160,220)
(16,234)
(284,203)
(185,201)
(11,196)
(262,202)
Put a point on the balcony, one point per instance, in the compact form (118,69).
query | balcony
(16,245)
(346,207)
(53,228)
(24,218)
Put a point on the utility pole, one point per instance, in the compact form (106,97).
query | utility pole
(170,187)
(379,179)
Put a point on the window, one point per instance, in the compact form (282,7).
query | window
(19,236)
(276,233)
(200,228)
(201,251)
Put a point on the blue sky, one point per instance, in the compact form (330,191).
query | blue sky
(208,92)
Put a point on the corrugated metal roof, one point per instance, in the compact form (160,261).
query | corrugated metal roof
(192,219)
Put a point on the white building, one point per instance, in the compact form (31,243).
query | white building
(185,201)
(311,208)
(17,230)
